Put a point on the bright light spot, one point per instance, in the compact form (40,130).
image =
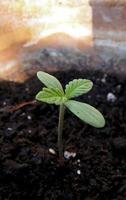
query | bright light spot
(26,23)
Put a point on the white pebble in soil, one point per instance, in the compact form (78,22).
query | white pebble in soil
(111,97)
(103,80)
(29,117)
(27,89)
(29,131)
(78,162)
(9,129)
(69,155)
(79,172)
(4,103)
(23,114)
(55,54)
(52,151)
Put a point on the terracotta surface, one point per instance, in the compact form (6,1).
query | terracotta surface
(93,32)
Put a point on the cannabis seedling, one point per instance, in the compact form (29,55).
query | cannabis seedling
(53,93)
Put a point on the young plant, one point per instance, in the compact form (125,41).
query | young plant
(53,93)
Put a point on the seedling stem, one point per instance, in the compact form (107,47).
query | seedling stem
(60,131)
(54,93)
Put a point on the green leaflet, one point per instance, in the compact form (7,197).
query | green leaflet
(49,81)
(51,96)
(78,87)
(86,113)
(54,94)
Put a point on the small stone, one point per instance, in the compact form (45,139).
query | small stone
(111,97)
(68,154)
(73,155)
(4,103)
(29,131)
(52,151)
(27,89)
(29,117)
(78,172)
(78,162)
(9,129)
(53,54)
(9,133)
(23,114)
(103,80)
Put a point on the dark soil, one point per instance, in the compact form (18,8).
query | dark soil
(28,170)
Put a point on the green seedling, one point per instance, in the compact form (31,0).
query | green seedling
(53,93)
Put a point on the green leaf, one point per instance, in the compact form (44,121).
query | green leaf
(51,96)
(86,113)
(78,87)
(49,81)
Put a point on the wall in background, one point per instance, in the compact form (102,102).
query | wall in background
(95,29)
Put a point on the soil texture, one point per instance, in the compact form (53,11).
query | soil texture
(29,169)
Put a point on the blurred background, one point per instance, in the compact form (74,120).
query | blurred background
(61,34)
